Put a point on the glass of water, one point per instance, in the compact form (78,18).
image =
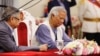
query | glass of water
(59,45)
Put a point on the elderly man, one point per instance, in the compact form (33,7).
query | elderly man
(51,30)
(10,20)
(67,5)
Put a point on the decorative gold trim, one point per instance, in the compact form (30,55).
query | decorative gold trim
(92,19)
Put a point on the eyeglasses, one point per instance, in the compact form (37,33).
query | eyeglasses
(17,18)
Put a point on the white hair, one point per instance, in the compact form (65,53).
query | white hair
(55,11)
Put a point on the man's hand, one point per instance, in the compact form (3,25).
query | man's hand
(43,47)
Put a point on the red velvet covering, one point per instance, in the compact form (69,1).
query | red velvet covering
(31,53)
(22,34)
(34,53)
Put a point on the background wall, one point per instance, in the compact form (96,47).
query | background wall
(74,9)
(38,9)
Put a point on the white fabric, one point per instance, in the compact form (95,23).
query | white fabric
(59,31)
(29,20)
(89,10)
(15,36)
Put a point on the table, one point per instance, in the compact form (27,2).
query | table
(31,53)
(35,53)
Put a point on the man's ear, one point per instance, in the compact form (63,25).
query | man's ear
(22,15)
(52,15)
(11,18)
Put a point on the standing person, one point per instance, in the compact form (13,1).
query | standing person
(66,4)
(89,14)
(51,30)
(10,20)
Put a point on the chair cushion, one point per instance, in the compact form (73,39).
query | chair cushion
(22,34)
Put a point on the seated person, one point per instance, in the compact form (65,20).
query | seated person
(9,21)
(51,29)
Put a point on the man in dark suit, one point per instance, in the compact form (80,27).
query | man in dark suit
(66,4)
(10,20)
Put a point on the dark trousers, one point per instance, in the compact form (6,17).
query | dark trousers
(92,36)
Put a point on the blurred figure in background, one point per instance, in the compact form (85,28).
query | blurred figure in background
(76,24)
(89,14)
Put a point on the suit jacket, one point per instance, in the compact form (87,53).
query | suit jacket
(67,6)
(7,42)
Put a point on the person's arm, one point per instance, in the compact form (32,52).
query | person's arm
(44,37)
(72,3)
(35,48)
(8,45)
(6,42)
(66,38)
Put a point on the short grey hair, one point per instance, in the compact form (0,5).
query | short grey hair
(55,10)
(8,12)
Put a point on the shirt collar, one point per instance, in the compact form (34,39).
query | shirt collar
(9,26)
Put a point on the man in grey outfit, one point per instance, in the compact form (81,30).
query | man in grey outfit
(9,21)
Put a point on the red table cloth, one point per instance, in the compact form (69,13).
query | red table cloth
(34,53)
(31,53)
